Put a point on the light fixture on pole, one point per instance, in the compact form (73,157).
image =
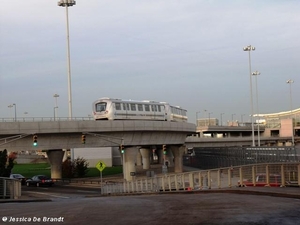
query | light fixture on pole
(256,73)
(221,118)
(291,102)
(66,4)
(250,48)
(55,107)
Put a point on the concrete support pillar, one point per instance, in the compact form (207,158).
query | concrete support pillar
(178,152)
(65,157)
(201,134)
(129,155)
(55,157)
(160,155)
(139,158)
(145,152)
(169,157)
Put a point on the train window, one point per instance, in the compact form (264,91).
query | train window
(147,108)
(100,107)
(158,107)
(153,108)
(132,107)
(125,106)
(118,106)
(140,107)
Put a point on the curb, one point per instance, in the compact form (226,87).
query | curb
(24,200)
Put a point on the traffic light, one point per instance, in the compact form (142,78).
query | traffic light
(83,139)
(164,147)
(122,149)
(34,139)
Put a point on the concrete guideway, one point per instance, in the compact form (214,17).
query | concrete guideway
(67,134)
(138,137)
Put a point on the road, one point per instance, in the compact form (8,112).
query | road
(79,205)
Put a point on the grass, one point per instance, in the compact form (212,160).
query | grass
(29,170)
(32,169)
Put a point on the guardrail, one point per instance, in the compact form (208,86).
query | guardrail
(44,119)
(10,188)
(268,174)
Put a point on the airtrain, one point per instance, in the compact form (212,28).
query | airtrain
(118,109)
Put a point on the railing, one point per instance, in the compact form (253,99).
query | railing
(10,188)
(44,119)
(287,174)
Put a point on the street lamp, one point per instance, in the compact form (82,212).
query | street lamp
(55,107)
(209,118)
(13,105)
(291,102)
(250,48)
(15,111)
(242,116)
(256,73)
(221,118)
(197,118)
(68,3)
(232,118)
(10,106)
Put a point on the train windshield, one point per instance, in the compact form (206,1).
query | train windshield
(100,106)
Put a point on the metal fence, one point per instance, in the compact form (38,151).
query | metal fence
(216,157)
(10,188)
(287,174)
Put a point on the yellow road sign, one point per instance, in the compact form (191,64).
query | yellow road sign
(100,166)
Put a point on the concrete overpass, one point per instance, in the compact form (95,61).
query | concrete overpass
(193,141)
(138,137)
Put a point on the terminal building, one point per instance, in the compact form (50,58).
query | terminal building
(281,124)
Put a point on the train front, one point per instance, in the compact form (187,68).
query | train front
(101,109)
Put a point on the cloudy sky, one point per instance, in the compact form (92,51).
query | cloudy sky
(185,52)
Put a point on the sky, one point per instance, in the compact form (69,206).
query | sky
(185,52)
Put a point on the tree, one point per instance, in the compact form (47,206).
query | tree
(68,170)
(81,167)
(76,168)
(6,163)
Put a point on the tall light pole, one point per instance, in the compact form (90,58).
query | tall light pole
(256,73)
(197,118)
(14,104)
(221,118)
(250,48)
(291,102)
(55,107)
(66,4)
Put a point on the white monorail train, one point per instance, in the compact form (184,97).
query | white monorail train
(117,109)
